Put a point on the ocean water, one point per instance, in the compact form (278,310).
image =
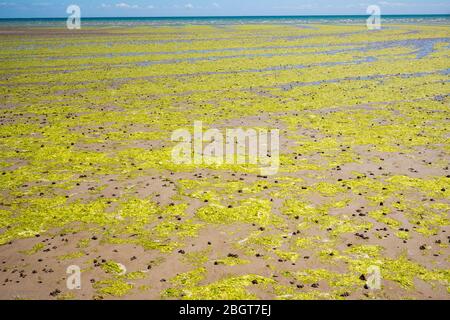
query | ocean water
(141,21)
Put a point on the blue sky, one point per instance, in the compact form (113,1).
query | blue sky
(130,8)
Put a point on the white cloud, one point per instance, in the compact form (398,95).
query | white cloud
(300,7)
(41,4)
(392,4)
(216,5)
(189,6)
(127,6)
(7,4)
(123,5)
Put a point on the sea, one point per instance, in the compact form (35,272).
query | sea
(441,19)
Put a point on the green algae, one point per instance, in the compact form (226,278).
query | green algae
(288,293)
(251,210)
(381,216)
(233,288)
(197,258)
(231,261)
(73,255)
(136,275)
(306,242)
(66,296)
(401,270)
(312,217)
(113,287)
(112,267)
(188,279)
(43,214)
(83,243)
(185,229)
(289,256)
(266,241)
(364,251)
(35,249)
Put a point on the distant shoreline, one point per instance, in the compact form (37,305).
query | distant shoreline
(225,20)
(392,16)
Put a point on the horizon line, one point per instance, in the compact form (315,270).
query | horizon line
(239,16)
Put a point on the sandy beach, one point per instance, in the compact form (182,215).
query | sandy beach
(87,177)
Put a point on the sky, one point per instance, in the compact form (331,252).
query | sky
(163,8)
